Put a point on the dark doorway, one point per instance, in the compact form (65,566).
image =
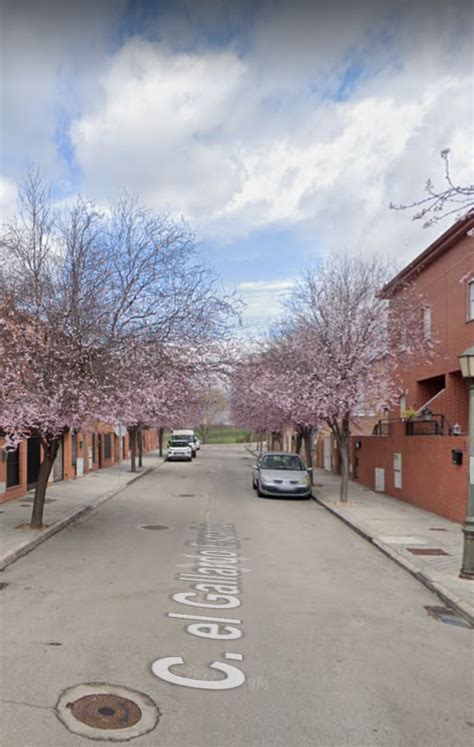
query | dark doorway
(34,461)
(99,449)
(13,468)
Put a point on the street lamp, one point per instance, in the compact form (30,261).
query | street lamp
(466,361)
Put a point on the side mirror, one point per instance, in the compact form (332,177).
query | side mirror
(310,470)
(255,466)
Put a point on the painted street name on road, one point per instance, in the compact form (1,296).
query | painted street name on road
(216,581)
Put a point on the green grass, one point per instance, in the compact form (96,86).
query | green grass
(225,434)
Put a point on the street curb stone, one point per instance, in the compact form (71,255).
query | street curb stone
(31,544)
(464,609)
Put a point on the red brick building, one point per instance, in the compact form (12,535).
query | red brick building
(415,459)
(78,454)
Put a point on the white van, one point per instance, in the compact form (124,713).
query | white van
(193,441)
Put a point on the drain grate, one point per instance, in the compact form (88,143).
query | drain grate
(426,551)
(448,616)
(186,495)
(107,712)
(154,526)
(437,529)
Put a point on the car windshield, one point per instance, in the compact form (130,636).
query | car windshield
(178,442)
(282,461)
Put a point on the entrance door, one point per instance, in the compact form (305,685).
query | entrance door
(13,468)
(58,467)
(99,449)
(33,461)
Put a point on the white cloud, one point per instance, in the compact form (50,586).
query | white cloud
(239,142)
(249,134)
(263,299)
(8,199)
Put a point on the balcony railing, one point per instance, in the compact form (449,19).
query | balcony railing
(434,425)
(384,427)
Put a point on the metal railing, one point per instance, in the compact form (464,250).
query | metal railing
(434,425)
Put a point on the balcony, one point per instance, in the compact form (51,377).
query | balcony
(432,425)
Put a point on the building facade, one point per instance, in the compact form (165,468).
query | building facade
(419,451)
(78,454)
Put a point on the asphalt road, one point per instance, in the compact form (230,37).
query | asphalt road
(333,644)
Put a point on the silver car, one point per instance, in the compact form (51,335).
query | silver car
(281,473)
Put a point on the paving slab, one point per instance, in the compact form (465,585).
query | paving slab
(405,533)
(66,502)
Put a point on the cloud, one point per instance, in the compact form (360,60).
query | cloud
(299,117)
(263,301)
(8,199)
(51,53)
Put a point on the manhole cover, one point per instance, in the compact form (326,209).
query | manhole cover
(426,551)
(448,616)
(107,712)
(154,526)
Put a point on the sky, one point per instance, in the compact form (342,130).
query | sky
(281,130)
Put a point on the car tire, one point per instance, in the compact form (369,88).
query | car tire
(259,492)
(254,486)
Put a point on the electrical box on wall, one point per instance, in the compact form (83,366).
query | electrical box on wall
(456,456)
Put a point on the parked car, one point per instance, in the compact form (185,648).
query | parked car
(179,449)
(281,473)
(189,436)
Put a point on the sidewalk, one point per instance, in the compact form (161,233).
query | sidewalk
(66,502)
(396,527)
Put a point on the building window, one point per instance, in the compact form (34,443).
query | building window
(470,300)
(13,468)
(107,446)
(427,323)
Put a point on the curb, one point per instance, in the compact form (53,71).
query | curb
(463,608)
(31,544)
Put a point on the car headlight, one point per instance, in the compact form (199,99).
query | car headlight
(266,481)
(305,480)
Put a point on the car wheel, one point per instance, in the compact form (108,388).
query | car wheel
(254,486)
(259,492)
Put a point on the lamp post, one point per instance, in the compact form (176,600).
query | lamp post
(466,361)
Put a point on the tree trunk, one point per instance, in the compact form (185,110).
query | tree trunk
(50,451)
(307,438)
(140,447)
(344,442)
(298,442)
(160,441)
(133,448)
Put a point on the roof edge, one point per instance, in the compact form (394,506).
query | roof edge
(439,246)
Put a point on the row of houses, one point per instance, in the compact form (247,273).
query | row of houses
(79,453)
(419,450)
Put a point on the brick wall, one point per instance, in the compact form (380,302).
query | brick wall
(441,287)
(429,479)
(84,443)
